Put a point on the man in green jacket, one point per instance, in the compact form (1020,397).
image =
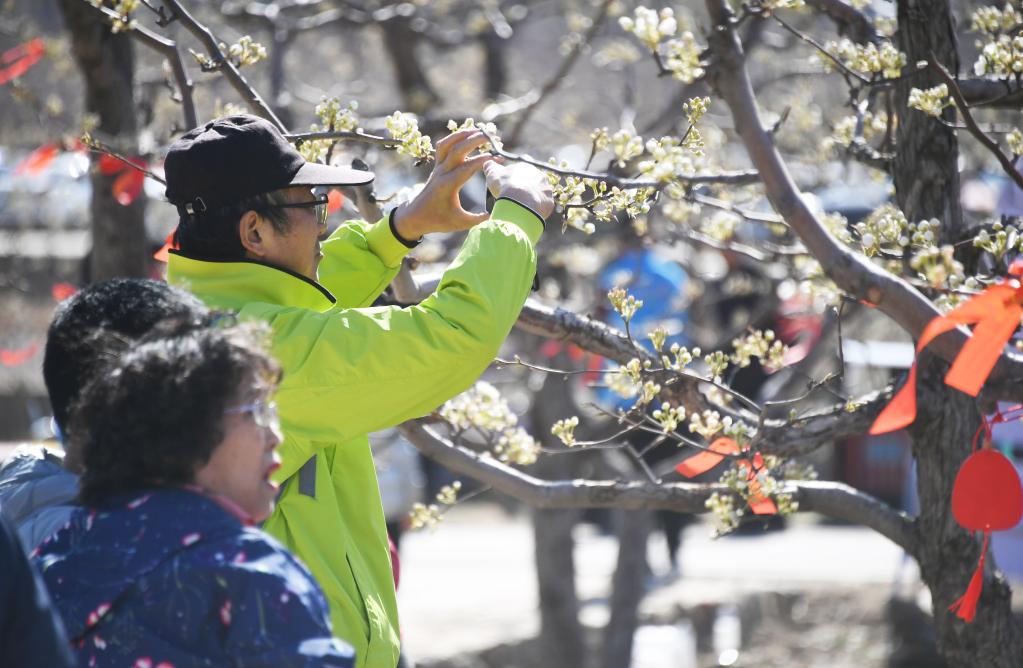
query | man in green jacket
(249,240)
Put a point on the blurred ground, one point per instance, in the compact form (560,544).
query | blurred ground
(810,595)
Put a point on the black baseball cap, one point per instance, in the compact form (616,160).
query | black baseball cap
(236,157)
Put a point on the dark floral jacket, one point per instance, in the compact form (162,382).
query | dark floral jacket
(169,578)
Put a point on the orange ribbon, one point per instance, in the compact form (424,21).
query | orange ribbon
(996,313)
(712,456)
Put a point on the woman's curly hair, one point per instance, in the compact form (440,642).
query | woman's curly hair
(155,415)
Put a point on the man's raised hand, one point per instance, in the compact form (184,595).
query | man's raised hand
(437,207)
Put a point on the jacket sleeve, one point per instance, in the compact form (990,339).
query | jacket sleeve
(359,260)
(352,371)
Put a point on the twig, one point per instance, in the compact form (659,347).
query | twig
(971,123)
(169,50)
(300,137)
(744,177)
(230,71)
(99,147)
(559,76)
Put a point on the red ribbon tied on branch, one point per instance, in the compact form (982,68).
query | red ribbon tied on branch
(987,497)
(996,313)
(21,59)
(712,456)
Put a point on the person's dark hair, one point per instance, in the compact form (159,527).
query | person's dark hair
(121,309)
(156,414)
(213,234)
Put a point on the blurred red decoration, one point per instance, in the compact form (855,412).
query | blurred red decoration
(127,186)
(62,291)
(10,357)
(335,200)
(168,245)
(20,59)
(38,160)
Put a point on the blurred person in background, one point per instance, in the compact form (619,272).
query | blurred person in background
(38,486)
(162,565)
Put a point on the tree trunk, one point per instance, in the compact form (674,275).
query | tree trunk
(400,41)
(927,186)
(627,588)
(561,636)
(107,63)
(926,163)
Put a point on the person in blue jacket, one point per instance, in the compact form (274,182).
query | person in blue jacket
(163,567)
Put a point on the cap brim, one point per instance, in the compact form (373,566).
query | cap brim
(315,174)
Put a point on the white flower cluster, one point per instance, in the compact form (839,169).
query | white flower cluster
(657,338)
(333,117)
(682,57)
(720,225)
(336,118)
(695,108)
(885,60)
(683,357)
(1015,141)
(716,362)
(669,417)
(667,160)
(708,423)
(656,31)
(246,51)
(938,266)
(404,128)
(994,21)
(649,26)
(844,131)
(483,407)
(1002,57)
(622,382)
(517,446)
(625,304)
(648,391)
(782,4)
(931,101)
(760,344)
(1000,240)
(423,515)
(565,430)
(887,228)
(622,143)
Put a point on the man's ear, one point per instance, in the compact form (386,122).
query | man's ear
(251,232)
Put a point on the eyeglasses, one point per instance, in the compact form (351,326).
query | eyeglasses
(319,204)
(264,413)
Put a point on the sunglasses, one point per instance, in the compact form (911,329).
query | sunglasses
(264,413)
(319,204)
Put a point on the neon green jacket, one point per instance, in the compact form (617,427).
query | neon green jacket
(350,370)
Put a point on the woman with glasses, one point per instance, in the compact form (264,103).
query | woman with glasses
(162,566)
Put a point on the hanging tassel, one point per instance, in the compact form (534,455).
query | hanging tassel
(966,607)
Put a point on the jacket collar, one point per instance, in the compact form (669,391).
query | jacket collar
(233,284)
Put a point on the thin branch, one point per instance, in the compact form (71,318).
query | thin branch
(169,50)
(743,177)
(99,147)
(990,144)
(833,499)
(849,19)
(559,76)
(224,64)
(364,137)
